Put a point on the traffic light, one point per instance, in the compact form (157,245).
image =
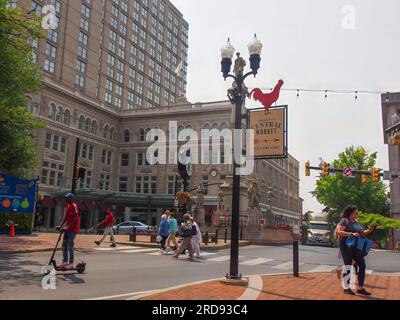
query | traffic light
(375,175)
(308,173)
(364,179)
(79,172)
(325,169)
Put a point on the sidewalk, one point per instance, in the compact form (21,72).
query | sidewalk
(309,286)
(42,242)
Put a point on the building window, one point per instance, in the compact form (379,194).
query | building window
(127,135)
(49,66)
(86,183)
(106,157)
(55,143)
(86,151)
(104,183)
(52,174)
(124,159)
(123,184)
(205,184)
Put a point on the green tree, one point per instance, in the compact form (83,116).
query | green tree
(18,76)
(336,192)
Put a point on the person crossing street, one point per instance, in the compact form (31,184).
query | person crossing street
(108,222)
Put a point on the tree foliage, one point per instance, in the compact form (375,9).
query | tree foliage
(19,75)
(336,192)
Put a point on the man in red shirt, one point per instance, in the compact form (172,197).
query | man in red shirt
(70,225)
(108,222)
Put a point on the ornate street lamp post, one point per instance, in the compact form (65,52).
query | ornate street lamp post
(237,95)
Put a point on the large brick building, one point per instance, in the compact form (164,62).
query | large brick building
(391,126)
(112,71)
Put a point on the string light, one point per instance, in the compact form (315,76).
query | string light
(356,93)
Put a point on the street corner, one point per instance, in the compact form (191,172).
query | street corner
(214,290)
(327,287)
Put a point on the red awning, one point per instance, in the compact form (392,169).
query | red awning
(49,202)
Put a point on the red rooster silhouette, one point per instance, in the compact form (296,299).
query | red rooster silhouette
(267,99)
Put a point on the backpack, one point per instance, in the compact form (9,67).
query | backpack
(188,230)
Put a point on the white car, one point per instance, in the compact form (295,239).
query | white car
(127,227)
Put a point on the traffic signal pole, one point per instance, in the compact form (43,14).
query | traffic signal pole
(75,172)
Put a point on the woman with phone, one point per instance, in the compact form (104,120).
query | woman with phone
(349,227)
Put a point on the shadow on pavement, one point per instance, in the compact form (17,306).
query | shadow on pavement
(17,271)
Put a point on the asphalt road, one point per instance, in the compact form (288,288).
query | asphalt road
(125,272)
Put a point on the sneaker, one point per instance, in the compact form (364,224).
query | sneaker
(349,292)
(363,292)
(113,245)
(69,266)
(97,243)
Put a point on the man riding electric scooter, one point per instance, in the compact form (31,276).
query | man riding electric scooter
(70,226)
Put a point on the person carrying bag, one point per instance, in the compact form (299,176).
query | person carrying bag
(187,231)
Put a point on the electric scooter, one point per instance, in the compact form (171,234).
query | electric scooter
(80,268)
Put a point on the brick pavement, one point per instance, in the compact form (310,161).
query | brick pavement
(312,286)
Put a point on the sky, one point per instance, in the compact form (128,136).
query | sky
(310,44)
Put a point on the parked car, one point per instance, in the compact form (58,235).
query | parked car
(127,227)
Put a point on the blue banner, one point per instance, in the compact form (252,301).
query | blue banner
(17,195)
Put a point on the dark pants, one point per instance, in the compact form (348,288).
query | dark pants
(163,241)
(350,254)
(68,247)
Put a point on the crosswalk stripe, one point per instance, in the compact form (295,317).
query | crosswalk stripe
(254,262)
(115,249)
(139,251)
(221,259)
(323,268)
(286,265)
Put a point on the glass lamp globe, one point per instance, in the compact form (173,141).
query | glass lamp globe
(255,46)
(227,51)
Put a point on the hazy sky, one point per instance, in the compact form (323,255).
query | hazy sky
(306,45)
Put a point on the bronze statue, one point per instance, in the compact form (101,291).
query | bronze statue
(252,191)
(240,63)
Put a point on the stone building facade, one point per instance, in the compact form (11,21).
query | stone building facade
(113,69)
(391,126)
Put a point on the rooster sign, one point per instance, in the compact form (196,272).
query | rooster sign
(267,99)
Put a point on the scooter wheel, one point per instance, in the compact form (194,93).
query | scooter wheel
(81,268)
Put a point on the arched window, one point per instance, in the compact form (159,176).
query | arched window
(180,129)
(67,117)
(87,125)
(82,123)
(52,111)
(106,132)
(141,135)
(94,128)
(127,135)
(59,114)
(112,134)
(189,131)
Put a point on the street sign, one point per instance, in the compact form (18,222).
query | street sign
(270,132)
(296,230)
(347,172)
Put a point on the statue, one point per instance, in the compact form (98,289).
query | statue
(252,191)
(240,63)
(200,196)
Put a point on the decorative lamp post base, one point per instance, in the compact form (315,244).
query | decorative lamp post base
(237,281)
